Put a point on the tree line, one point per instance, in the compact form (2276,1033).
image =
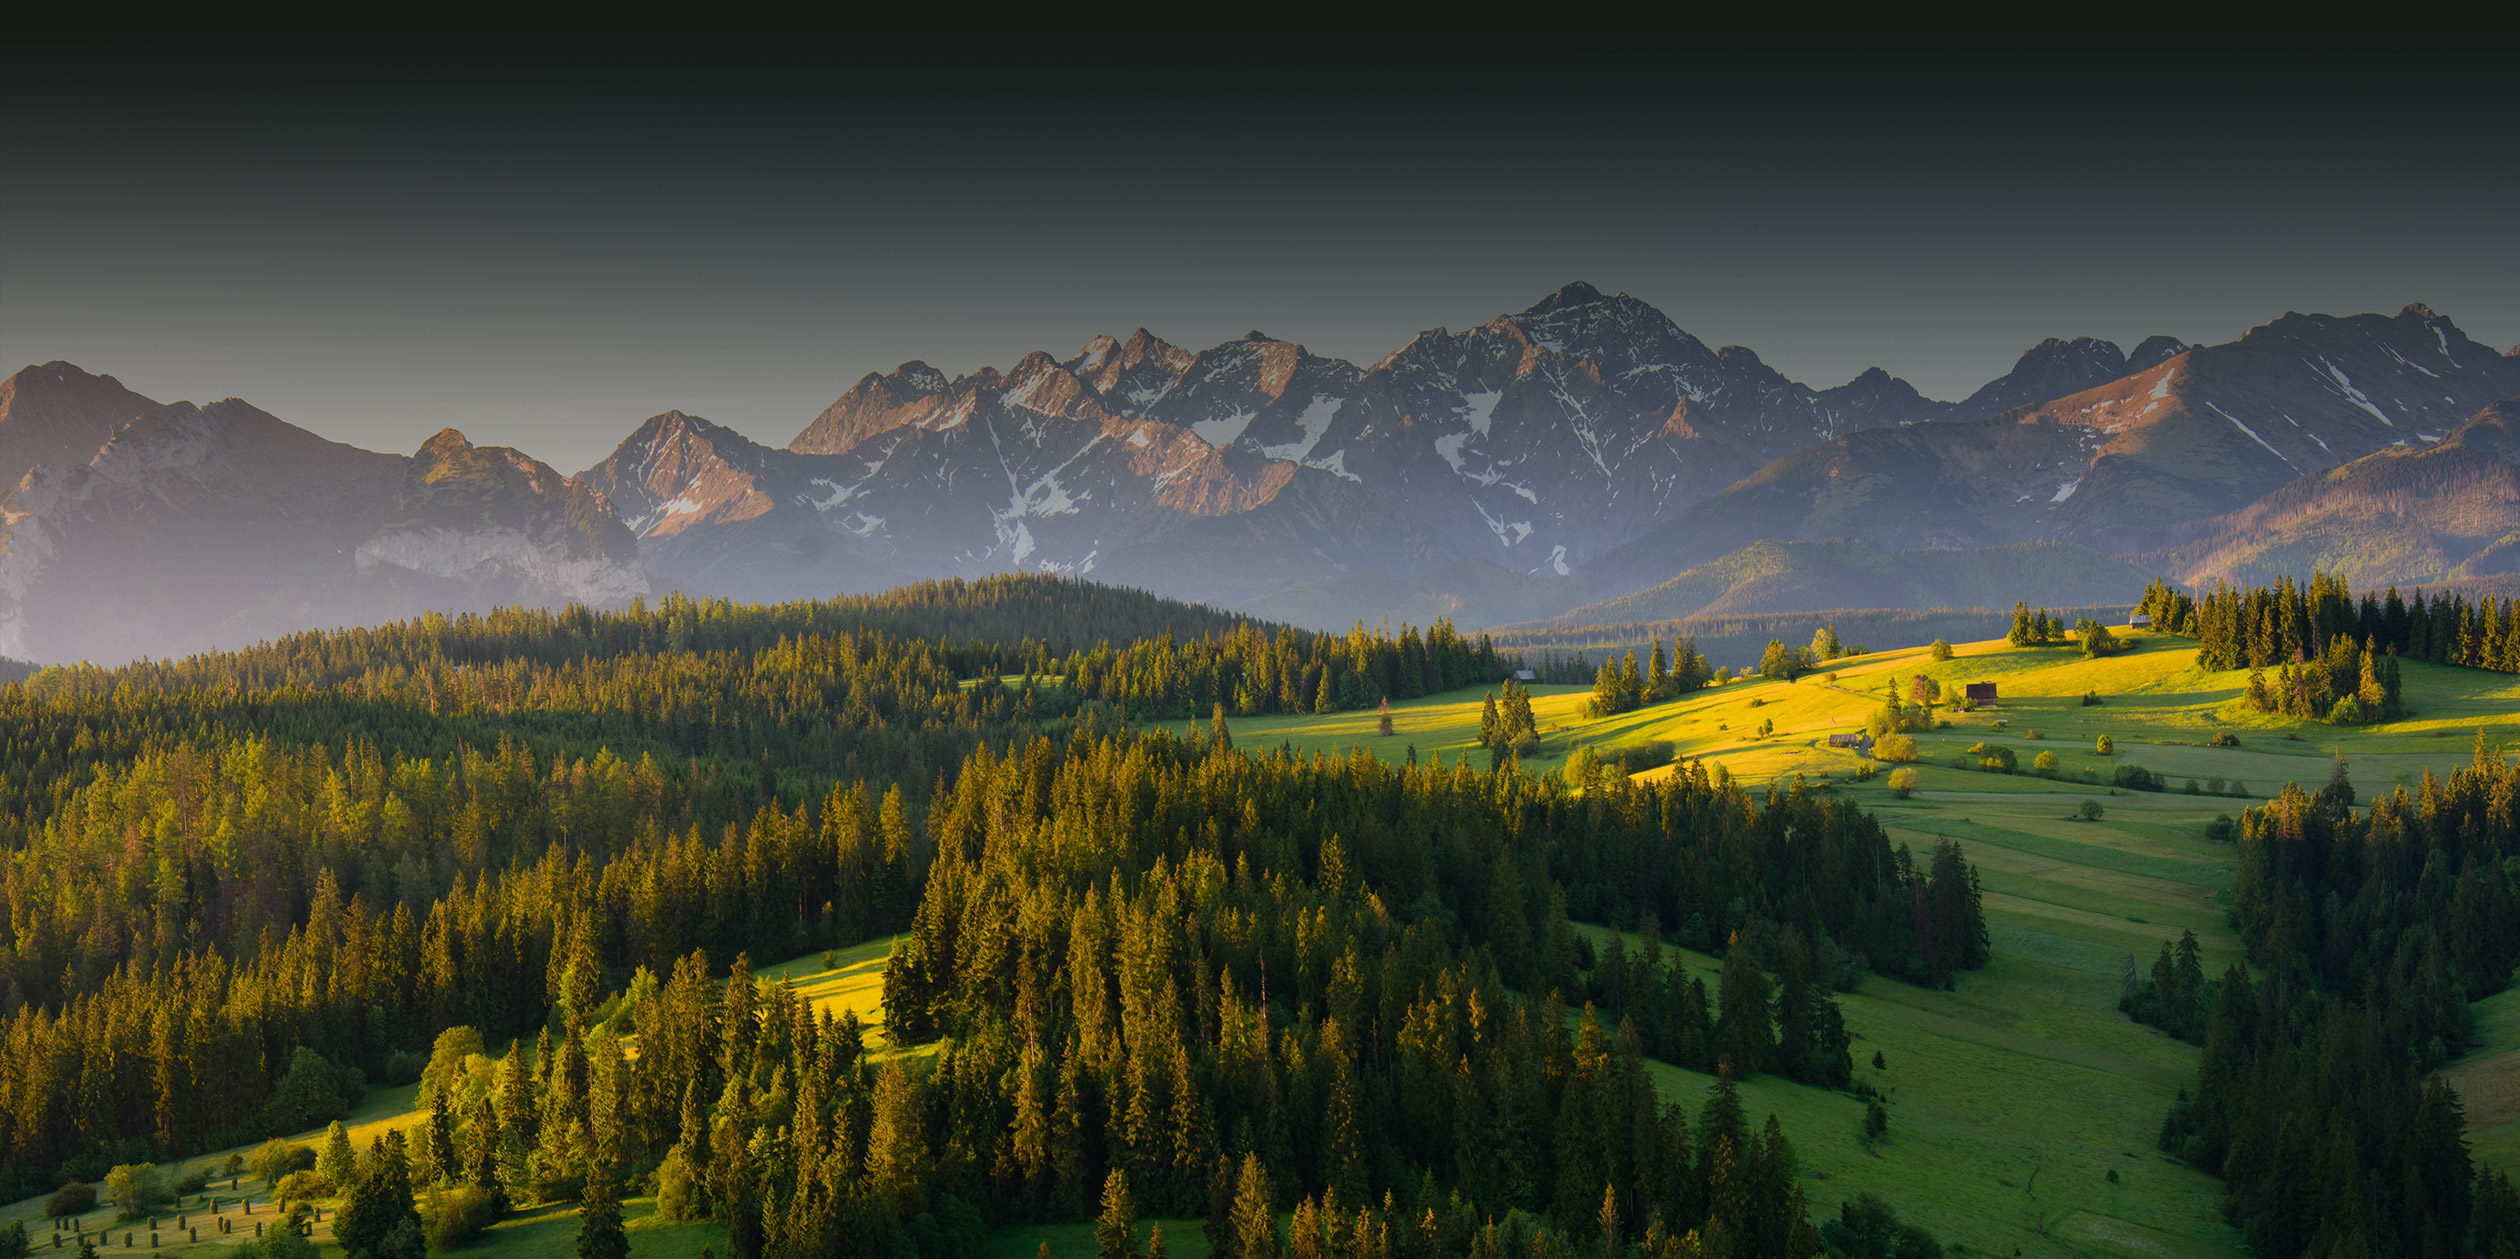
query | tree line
(2259,627)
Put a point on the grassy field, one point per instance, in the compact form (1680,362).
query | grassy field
(2015,1096)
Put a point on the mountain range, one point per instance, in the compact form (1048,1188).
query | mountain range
(1585,449)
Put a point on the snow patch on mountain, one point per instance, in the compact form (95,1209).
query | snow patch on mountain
(1312,424)
(2351,394)
(1220,431)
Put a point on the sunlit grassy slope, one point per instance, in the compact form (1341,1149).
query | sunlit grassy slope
(2015,1096)
(2156,704)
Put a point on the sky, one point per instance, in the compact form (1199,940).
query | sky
(543,245)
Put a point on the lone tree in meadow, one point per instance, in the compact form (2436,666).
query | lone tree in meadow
(1382,725)
(1115,1231)
(600,1234)
(1903,782)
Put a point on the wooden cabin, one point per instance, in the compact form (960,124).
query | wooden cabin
(1982,694)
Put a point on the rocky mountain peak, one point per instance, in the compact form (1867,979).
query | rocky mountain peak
(58,414)
(446,441)
(2418,311)
(1576,293)
(2155,351)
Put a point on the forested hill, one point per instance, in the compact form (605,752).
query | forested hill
(236,885)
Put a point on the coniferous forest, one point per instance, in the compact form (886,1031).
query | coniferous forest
(2317,1099)
(1142,972)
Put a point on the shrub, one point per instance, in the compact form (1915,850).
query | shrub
(831,959)
(448,1058)
(2030,734)
(140,1188)
(194,1181)
(1639,757)
(678,1187)
(279,1243)
(1903,782)
(2226,740)
(2046,763)
(559,1185)
(2137,778)
(1895,748)
(404,1066)
(2090,811)
(1939,650)
(301,1186)
(13,1243)
(278,1157)
(1866,1225)
(459,1215)
(2091,699)
(1757,702)
(1993,758)
(2222,830)
(311,1091)
(75,1198)
(2105,747)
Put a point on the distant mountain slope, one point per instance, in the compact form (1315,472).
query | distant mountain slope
(221,524)
(1851,572)
(55,413)
(2403,516)
(1472,593)
(2203,432)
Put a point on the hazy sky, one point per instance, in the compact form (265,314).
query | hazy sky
(546,245)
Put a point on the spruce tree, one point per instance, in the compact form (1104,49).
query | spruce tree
(1255,1213)
(379,1201)
(336,1162)
(1115,1230)
(600,1234)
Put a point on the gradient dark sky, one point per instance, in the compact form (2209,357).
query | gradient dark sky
(542,246)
